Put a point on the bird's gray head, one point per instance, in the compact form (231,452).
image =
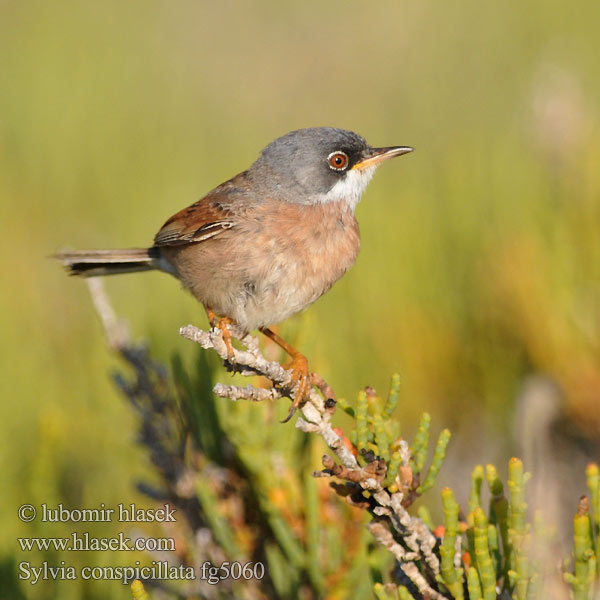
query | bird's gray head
(319,165)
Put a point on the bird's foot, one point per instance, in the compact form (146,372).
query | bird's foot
(223,323)
(301,378)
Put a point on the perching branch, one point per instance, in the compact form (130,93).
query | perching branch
(317,412)
(407,537)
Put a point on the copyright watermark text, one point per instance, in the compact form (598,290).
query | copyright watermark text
(85,542)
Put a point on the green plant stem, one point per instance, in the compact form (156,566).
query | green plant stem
(483,559)
(421,443)
(436,463)
(451,575)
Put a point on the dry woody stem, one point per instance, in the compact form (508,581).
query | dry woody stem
(317,412)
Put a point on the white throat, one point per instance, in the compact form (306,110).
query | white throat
(350,188)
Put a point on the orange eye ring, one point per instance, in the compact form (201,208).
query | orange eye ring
(338,160)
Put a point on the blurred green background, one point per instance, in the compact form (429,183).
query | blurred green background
(480,257)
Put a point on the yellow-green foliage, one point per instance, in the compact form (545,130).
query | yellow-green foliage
(583,580)
(138,592)
(436,463)
(375,431)
(483,560)
(499,516)
(475,495)
(474,585)
(518,531)
(593,481)
(512,565)
(451,575)
(421,442)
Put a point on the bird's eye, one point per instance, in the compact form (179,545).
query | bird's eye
(338,160)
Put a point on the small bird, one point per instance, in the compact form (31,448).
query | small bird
(267,243)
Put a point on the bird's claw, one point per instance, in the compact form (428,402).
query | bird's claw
(223,323)
(301,379)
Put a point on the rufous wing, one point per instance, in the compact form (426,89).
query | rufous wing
(200,221)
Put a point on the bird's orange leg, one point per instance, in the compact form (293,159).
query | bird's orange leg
(299,367)
(222,323)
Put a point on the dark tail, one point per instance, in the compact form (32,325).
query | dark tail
(92,263)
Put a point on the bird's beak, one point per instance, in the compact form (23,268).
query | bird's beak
(373,156)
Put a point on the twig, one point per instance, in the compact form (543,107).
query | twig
(316,416)
(234,392)
(384,536)
(115,329)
